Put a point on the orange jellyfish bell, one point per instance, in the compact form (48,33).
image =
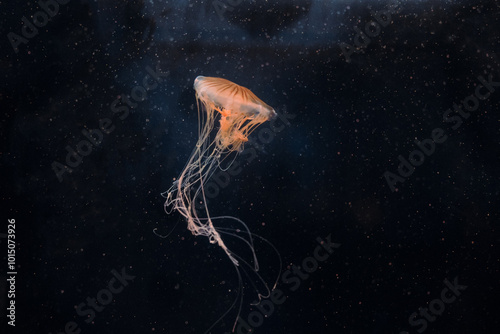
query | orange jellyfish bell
(230,96)
(241,110)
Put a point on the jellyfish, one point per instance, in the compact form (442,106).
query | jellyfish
(234,111)
(239,112)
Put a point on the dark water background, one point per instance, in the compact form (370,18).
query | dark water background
(321,174)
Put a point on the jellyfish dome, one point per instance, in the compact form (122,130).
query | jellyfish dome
(241,110)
